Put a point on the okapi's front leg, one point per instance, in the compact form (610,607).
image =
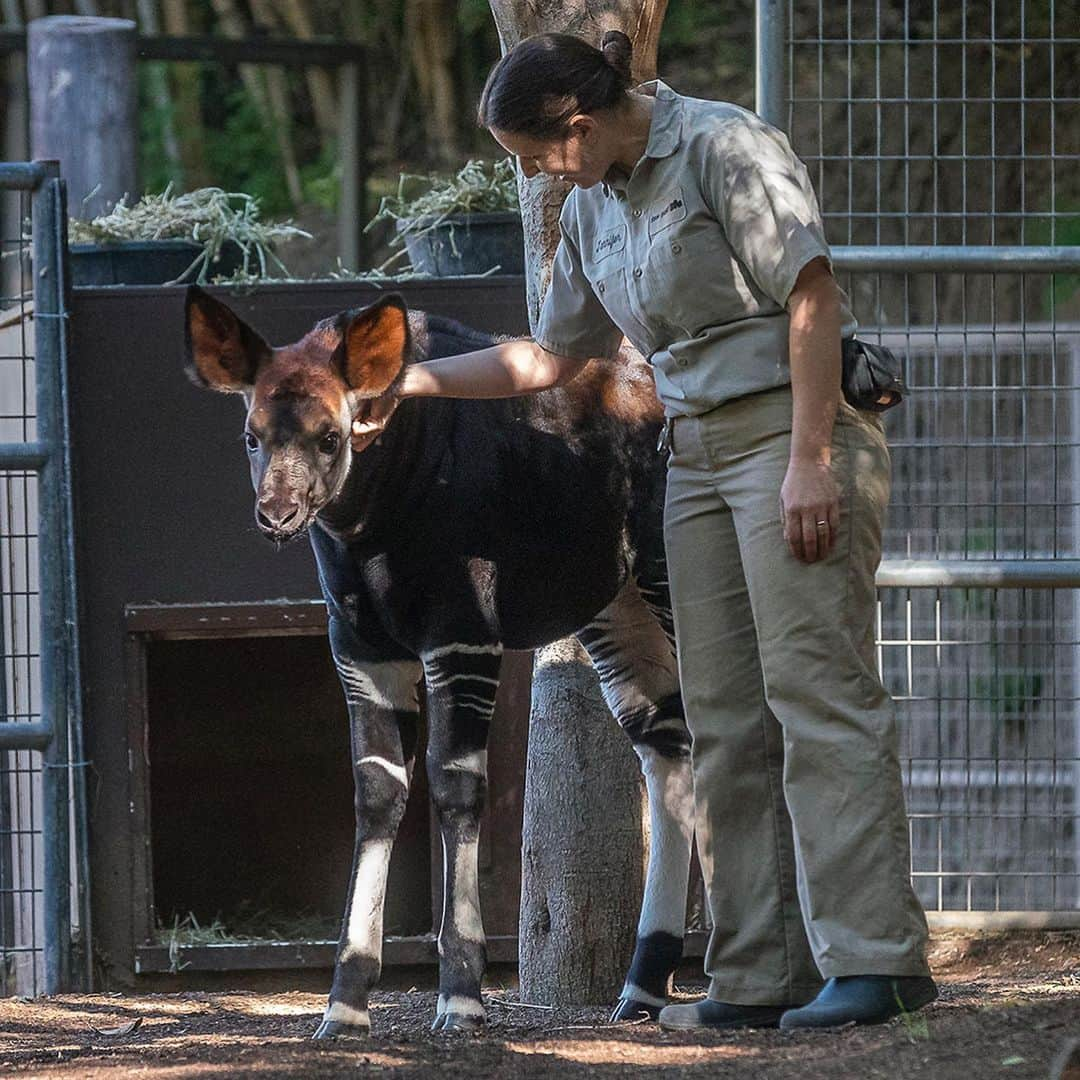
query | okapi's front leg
(383,712)
(461,684)
(633,652)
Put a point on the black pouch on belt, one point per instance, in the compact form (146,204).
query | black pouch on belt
(872,377)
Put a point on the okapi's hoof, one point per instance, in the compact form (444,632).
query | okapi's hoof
(332,1030)
(451,1023)
(629,1010)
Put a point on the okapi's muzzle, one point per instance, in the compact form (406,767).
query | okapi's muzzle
(285,502)
(280,520)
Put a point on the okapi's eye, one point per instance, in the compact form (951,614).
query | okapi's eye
(251,442)
(328,444)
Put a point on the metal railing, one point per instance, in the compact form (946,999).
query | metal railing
(42,820)
(942,144)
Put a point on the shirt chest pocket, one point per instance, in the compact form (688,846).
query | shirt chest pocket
(608,281)
(689,282)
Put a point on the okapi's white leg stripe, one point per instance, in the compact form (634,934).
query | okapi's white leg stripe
(346,1014)
(670,784)
(476,678)
(460,1005)
(398,772)
(463,893)
(364,932)
(475,763)
(445,650)
(386,685)
(467,920)
(631,990)
(436,677)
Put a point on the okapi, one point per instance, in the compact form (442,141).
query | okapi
(467,528)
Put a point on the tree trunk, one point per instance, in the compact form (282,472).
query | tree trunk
(582,850)
(83,106)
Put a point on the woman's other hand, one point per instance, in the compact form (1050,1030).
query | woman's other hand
(809,510)
(371,420)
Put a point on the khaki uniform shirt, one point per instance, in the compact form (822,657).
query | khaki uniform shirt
(692,257)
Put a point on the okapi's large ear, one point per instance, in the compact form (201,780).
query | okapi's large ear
(374,346)
(223,352)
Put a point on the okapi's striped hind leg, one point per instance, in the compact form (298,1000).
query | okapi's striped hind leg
(633,651)
(462,681)
(383,712)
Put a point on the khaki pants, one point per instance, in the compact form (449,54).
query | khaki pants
(802,832)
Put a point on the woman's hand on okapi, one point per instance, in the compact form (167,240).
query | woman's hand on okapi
(371,419)
(809,510)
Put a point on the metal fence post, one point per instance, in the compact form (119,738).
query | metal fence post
(49,213)
(770,100)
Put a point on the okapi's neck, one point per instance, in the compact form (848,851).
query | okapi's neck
(391,476)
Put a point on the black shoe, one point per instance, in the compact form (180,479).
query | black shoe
(718,1015)
(862,999)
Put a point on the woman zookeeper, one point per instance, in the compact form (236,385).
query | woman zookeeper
(694,231)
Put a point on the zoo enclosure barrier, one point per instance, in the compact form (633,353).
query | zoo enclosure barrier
(944,141)
(44,928)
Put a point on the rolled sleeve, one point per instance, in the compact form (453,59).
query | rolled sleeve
(572,320)
(767,207)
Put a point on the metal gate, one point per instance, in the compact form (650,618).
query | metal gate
(944,142)
(44,931)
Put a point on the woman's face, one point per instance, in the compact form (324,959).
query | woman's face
(580,157)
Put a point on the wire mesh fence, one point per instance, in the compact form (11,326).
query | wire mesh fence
(957,125)
(21,859)
(36,629)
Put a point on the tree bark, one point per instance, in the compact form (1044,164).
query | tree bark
(582,849)
(83,106)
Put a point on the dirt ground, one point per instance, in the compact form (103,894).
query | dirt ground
(1010,1005)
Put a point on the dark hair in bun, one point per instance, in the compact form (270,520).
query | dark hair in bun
(547,78)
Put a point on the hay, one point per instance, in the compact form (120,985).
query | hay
(209,217)
(476,188)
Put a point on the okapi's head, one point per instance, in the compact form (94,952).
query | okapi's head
(301,399)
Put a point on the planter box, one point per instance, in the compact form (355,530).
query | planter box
(465,244)
(143,262)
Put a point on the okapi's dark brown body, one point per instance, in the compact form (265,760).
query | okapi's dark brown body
(467,528)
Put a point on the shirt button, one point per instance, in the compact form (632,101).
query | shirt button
(637,213)
(682,363)
(601,286)
(637,271)
(676,248)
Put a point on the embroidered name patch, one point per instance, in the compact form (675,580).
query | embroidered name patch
(609,242)
(664,212)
